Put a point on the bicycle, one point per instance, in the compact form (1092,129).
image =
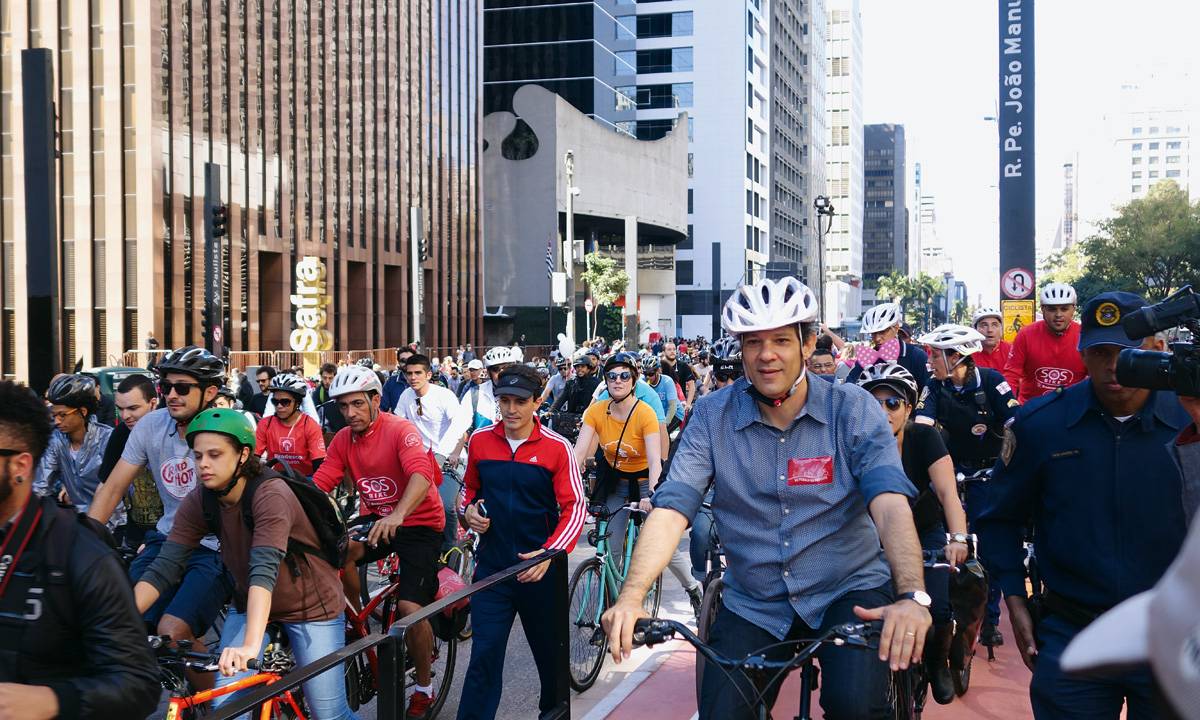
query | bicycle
(594,587)
(763,673)
(182,704)
(363,670)
(964,484)
(460,557)
(714,587)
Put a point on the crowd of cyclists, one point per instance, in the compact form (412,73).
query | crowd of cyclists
(829,466)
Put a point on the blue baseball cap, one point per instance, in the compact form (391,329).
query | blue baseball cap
(1101,319)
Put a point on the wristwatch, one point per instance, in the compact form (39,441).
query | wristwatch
(959,538)
(920,597)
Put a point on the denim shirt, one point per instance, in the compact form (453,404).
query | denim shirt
(78,472)
(791,505)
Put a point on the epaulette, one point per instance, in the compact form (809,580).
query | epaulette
(1038,404)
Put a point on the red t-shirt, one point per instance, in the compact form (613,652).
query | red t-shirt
(1042,361)
(297,445)
(996,359)
(380,462)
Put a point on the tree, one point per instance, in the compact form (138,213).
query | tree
(1151,246)
(606,282)
(917,295)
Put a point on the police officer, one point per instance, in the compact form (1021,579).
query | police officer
(1090,464)
(972,405)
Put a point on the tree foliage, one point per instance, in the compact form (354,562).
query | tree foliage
(917,295)
(605,280)
(1151,247)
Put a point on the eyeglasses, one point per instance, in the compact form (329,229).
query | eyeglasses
(892,403)
(723,377)
(615,376)
(182,389)
(284,402)
(64,415)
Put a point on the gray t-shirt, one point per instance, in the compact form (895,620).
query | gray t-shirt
(155,443)
(557,384)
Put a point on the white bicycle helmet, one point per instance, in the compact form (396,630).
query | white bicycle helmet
(1058,294)
(892,375)
(768,304)
(288,382)
(959,338)
(726,347)
(986,312)
(881,317)
(500,355)
(354,379)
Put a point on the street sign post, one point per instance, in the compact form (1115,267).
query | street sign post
(1017,283)
(588,306)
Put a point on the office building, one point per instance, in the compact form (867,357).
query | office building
(844,158)
(885,233)
(340,128)
(577,50)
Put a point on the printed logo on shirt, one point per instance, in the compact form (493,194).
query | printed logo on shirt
(286,445)
(1003,388)
(1051,377)
(379,492)
(412,439)
(810,471)
(178,476)
(533,459)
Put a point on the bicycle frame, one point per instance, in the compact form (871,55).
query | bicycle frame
(177,705)
(358,620)
(612,578)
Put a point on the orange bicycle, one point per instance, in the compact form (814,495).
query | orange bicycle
(174,658)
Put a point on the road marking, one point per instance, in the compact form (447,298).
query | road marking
(631,682)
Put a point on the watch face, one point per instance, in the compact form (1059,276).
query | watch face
(921,598)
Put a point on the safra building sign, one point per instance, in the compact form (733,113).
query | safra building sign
(309,300)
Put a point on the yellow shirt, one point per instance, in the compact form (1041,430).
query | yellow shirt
(631,457)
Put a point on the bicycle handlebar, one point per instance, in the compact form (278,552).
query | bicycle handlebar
(651,631)
(168,650)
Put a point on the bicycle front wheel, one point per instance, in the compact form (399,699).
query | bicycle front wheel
(904,705)
(708,615)
(461,559)
(445,652)
(653,600)
(588,643)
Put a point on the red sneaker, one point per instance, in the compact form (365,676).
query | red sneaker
(418,705)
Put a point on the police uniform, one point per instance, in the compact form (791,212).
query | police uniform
(1105,498)
(973,416)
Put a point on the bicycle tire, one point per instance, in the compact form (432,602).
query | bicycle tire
(709,608)
(445,653)
(903,701)
(585,602)
(652,603)
(962,676)
(461,559)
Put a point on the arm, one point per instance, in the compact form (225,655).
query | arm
(927,409)
(260,439)
(110,492)
(46,478)
(258,610)
(691,392)
(654,457)
(414,494)
(838,342)
(585,445)
(905,623)
(941,475)
(333,469)
(664,442)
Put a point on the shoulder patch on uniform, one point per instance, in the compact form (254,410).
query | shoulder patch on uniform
(1009,447)
(924,395)
(1013,402)
(1004,388)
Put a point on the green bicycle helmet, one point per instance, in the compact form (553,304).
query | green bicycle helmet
(225,421)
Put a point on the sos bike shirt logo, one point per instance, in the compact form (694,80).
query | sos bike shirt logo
(379,493)
(178,476)
(1052,377)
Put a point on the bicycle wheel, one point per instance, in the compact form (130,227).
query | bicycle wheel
(653,600)
(962,676)
(445,652)
(708,615)
(585,606)
(461,559)
(903,702)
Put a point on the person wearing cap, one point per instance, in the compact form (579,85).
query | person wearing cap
(1044,354)
(812,503)
(557,384)
(472,377)
(1159,628)
(994,354)
(580,389)
(1090,467)
(524,496)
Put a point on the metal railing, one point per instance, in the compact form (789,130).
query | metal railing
(390,679)
(284,359)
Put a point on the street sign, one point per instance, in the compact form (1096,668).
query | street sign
(588,306)
(1017,283)
(1017,314)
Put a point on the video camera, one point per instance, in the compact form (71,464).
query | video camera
(1178,370)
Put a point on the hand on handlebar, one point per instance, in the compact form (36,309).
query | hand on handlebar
(956,553)
(236,659)
(619,622)
(902,639)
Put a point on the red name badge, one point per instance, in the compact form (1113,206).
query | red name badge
(810,471)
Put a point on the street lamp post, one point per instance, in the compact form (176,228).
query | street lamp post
(824,208)
(568,252)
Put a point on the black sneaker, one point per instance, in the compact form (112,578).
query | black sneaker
(989,636)
(696,596)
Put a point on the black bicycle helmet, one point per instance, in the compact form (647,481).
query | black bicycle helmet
(623,358)
(195,361)
(75,391)
(730,366)
(289,383)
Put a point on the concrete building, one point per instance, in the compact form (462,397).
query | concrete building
(885,230)
(844,159)
(337,125)
(797,133)
(579,50)
(630,206)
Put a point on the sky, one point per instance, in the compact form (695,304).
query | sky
(930,65)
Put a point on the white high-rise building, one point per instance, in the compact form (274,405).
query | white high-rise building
(844,160)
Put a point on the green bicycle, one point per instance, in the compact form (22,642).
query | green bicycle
(594,588)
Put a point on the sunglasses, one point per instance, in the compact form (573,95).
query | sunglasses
(182,389)
(284,402)
(614,376)
(893,403)
(723,377)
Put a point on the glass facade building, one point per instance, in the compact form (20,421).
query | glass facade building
(332,120)
(885,217)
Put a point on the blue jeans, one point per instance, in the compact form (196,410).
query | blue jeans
(198,599)
(326,693)
(1058,696)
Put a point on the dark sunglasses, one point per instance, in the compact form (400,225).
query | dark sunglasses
(893,403)
(614,376)
(724,377)
(182,389)
(419,410)
(284,402)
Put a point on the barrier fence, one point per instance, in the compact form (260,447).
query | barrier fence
(390,680)
(283,359)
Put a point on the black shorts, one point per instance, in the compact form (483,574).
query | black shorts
(419,551)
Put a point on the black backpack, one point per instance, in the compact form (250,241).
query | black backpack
(321,510)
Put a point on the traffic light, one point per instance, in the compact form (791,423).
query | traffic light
(220,214)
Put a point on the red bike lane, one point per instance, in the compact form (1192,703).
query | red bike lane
(999,690)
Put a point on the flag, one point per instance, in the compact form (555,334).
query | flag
(550,257)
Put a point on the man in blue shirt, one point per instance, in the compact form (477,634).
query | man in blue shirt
(1092,467)
(665,387)
(812,503)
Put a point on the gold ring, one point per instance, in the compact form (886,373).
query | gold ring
(910,632)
